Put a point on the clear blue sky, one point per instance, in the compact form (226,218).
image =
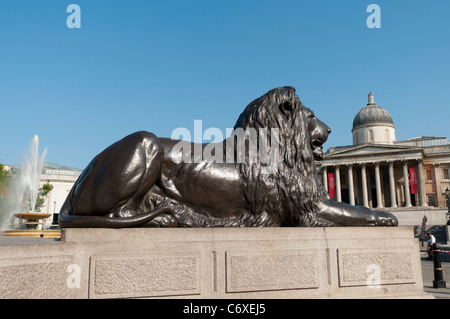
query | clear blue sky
(159,65)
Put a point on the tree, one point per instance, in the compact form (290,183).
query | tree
(42,195)
(5,179)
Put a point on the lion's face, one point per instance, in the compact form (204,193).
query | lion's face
(318,132)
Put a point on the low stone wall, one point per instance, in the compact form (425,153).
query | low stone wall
(414,216)
(351,262)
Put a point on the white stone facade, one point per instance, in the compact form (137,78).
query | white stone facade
(62,179)
(378,134)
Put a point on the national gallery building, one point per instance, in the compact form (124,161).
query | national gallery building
(378,171)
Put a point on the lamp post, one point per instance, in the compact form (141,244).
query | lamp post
(55,217)
(447,200)
(438,281)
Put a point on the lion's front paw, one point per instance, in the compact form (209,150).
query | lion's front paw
(382,219)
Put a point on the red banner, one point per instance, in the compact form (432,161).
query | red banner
(331,185)
(413,179)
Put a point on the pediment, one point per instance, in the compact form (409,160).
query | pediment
(372,149)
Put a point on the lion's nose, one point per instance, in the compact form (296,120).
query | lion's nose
(329,130)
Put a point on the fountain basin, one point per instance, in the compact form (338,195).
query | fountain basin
(42,233)
(31,221)
(32,216)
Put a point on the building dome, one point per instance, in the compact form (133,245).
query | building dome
(373,124)
(372,114)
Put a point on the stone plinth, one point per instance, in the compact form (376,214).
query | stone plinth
(351,262)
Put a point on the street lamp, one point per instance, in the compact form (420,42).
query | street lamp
(55,217)
(447,200)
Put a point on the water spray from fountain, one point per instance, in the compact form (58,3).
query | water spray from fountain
(25,192)
(30,177)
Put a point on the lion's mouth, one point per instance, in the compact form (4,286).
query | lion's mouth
(317,149)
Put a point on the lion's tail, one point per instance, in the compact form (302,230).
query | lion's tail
(78,221)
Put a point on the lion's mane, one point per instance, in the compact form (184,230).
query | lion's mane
(284,197)
(289,195)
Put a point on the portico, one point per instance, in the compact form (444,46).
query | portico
(378,171)
(376,181)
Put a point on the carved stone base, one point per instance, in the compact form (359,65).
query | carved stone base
(351,262)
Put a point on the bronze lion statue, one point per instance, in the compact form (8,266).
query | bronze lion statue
(143,180)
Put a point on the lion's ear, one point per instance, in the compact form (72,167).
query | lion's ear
(286,107)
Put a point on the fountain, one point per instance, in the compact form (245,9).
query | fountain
(25,194)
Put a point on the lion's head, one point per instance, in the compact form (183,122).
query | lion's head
(289,195)
(318,132)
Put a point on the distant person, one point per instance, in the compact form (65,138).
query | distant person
(431,245)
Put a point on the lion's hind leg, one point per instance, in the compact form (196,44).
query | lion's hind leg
(116,181)
(163,220)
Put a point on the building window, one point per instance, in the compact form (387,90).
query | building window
(370,136)
(429,176)
(386,135)
(431,201)
(445,173)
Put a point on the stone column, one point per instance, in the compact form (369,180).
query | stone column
(378,185)
(364,185)
(337,182)
(421,181)
(356,182)
(398,192)
(440,200)
(392,185)
(325,177)
(351,188)
(406,184)
(369,188)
